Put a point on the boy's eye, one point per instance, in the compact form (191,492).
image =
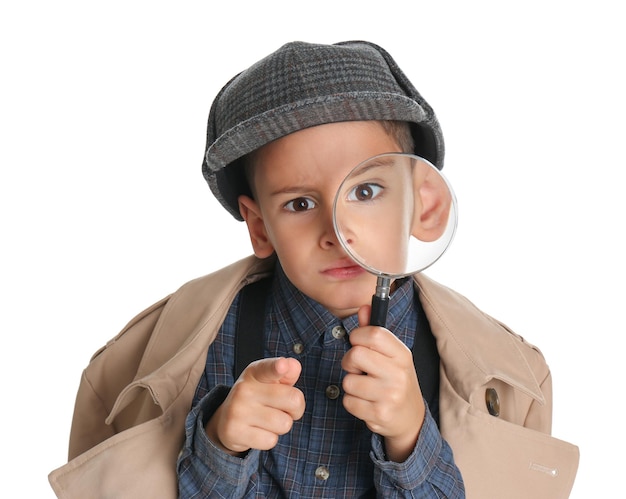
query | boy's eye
(364,192)
(300,204)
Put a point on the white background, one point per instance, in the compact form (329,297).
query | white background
(103,109)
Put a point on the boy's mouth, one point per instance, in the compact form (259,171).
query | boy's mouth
(344,269)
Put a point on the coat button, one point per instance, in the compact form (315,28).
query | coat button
(493,401)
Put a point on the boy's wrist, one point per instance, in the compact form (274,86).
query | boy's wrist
(399,448)
(212,434)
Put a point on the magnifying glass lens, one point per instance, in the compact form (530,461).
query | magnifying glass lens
(395,215)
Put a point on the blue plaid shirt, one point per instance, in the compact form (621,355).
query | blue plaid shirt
(328,452)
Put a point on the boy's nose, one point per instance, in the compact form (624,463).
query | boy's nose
(328,237)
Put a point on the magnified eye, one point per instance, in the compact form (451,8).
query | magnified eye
(364,192)
(300,204)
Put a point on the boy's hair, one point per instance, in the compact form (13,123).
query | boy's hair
(303,85)
(400,131)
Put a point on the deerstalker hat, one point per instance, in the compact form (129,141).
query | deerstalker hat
(303,85)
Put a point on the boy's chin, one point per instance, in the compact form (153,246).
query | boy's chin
(345,309)
(344,314)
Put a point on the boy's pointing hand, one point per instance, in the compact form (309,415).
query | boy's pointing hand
(261,406)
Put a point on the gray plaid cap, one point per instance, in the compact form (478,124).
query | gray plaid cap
(303,85)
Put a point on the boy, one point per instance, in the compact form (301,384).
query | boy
(335,407)
(294,180)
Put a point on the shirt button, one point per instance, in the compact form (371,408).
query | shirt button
(332,392)
(493,401)
(298,348)
(338,332)
(322,473)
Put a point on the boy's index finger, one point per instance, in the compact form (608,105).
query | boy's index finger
(275,370)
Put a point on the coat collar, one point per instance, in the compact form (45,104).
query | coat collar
(474,348)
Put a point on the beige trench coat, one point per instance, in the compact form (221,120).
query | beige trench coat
(134,396)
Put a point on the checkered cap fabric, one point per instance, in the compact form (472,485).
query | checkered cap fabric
(303,85)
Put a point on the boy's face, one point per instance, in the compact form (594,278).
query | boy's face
(295,181)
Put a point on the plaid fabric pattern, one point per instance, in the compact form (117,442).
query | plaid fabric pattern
(328,453)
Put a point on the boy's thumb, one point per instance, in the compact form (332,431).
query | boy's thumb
(364,314)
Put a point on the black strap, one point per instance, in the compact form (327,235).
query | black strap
(426,361)
(250,324)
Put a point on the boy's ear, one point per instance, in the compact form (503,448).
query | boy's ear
(251,213)
(433,209)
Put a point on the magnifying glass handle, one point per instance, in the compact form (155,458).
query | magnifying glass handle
(379,311)
(380,302)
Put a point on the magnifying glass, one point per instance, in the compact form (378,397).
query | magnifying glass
(395,214)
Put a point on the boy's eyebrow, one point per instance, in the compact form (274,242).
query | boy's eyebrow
(292,190)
